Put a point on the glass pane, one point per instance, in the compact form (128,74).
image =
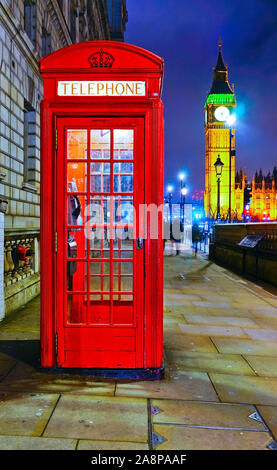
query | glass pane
(126,283)
(99,177)
(98,267)
(76,177)
(76,144)
(99,211)
(124,267)
(123,254)
(95,297)
(100,283)
(123,183)
(123,144)
(123,212)
(125,167)
(115,283)
(75,210)
(126,239)
(123,177)
(100,144)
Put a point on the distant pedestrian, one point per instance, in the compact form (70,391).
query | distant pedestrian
(196,237)
(176,234)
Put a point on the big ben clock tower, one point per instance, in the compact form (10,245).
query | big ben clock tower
(220,141)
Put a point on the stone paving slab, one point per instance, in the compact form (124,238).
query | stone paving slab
(181,385)
(25,414)
(242,389)
(109,445)
(264,311)
(36,443)
(205,414)
(212,304)
(186,342)
(262,335)
(263,365)
(269,415)
(221,321)
(245,346)
(173,325)
(207,330)
(266,323)
(211,312)
(186,438)
(209,362)
(18,335)
(99,418)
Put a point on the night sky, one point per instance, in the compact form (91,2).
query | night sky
(185,33)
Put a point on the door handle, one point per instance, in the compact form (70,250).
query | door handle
(139,243)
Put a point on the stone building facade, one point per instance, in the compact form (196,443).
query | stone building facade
(30,30)
(256,200)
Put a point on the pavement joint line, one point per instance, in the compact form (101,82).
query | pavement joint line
(264,423)
(150,424)
(256,374)
(211,339)
(96,440)
(115,388)
(200,426)
(208,374)
(51,414)
(196,402)
(77,444)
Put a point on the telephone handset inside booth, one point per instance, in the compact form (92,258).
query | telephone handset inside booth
(74,218)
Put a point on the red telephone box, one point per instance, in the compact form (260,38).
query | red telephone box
(102,160)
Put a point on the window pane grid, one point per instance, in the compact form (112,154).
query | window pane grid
(108,185)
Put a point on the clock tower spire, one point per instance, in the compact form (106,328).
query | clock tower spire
(219,140)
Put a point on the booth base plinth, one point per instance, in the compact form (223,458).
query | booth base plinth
(132,374)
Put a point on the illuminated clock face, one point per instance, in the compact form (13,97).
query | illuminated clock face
(222,113)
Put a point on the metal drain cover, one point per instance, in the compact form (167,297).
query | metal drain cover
(272,445)
(256,417)
(157,439)
(155,410)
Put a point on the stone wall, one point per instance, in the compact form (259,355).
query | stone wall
(259,263)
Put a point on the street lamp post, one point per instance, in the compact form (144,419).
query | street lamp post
(183,202)
(182,196)
(218,168)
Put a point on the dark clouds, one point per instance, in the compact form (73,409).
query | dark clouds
(185,34)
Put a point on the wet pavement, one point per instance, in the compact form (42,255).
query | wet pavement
(219,390)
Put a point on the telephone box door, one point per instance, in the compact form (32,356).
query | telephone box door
(99,254)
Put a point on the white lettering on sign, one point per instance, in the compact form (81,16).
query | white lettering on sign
(101,88)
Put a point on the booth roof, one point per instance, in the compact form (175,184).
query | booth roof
(124,57)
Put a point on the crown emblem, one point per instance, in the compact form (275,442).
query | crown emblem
(101,59)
